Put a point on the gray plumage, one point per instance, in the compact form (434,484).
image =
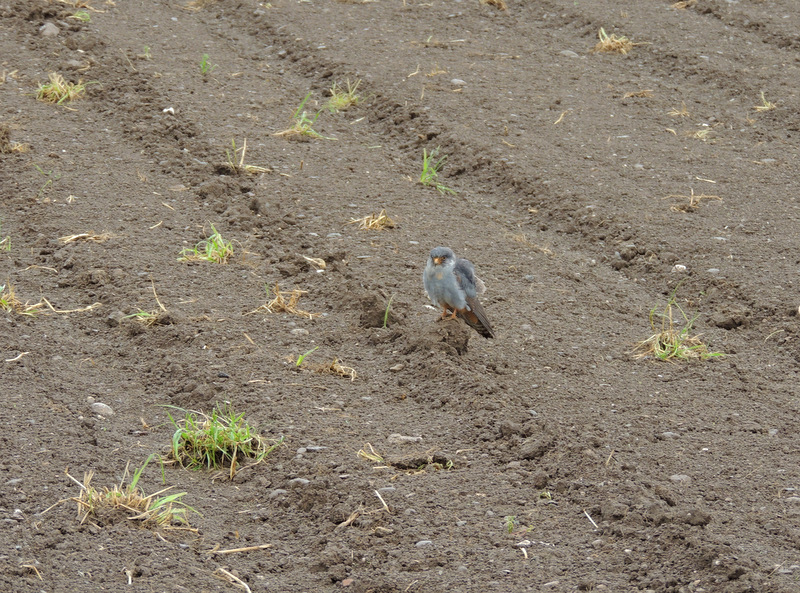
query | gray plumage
(451,284)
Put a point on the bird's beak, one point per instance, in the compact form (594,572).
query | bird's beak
(437,260)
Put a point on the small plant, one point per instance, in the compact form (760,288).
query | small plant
(163,511)
(341,99)
(765,105)
(510,523)
(235,158)
(302,357)
(223,439)
(612,43)
(213,249)
(147,318)
(371,455)
(206,67)
(374,223)
(386,313)
(336,368)
(59,90)
(430,170)
(146,55)
(82,16)
(671,341)
(303,124)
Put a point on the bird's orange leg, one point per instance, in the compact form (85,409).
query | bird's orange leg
(453,314)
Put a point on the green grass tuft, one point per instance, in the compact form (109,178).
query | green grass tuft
(213,249)
(431,165)
(220,440)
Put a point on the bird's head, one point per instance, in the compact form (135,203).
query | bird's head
(442,255)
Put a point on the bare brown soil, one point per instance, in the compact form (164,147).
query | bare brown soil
(589,187)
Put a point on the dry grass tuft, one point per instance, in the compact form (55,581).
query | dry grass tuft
(613,43)
(671,341)
(765,105)
(682,112)
(59,90)
(371,455)
(498,4)
(279,304)
(11,304)
(163,511)
(374,223)
(198,4)
(693,201)
(337,368)
(86,237)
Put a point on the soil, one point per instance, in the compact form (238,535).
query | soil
(590,187)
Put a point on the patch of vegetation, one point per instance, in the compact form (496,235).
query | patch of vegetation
(5,242)
(235,160)
(51,178)
(205,66)
(220,440)
(671,340)
(371,455)
(682,112)
(693,201)
(59,91)
(302,357)
(336,368)
(372,222)
(163,511)
(303,123)
(431,165)
(280,304)
(213,249)
(498,4)
(510,523)
(387,312)
(82,16)
(765,105)
(613,43)
(11,304)
(342,98)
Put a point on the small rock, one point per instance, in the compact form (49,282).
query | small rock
(680,478)
(551,584)
(13,481)
(18,515)
(49,30)
(299,482)
(278,492)
(314,448)
(568,53)
(678,268)
(670,435)
(397,367)
(460,523)
(102,409)
(457,82)
(399,439)
(524,543)
(347,582)
(299,332)
(423,542)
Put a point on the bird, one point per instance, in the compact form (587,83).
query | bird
(451,284)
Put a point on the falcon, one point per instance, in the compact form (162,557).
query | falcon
(451,284)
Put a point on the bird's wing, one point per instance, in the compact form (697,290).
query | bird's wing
(465,274)
(476,318)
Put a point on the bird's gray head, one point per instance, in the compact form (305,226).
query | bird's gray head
(442,255)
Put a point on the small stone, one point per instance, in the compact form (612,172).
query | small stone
(460,523)
(13,481)
(299,482)
(347,582)
(299,332)
(397,367)
(314,448)
(278,492)
(457,82)
(18,515)
(678,268)
(680,478)
(423,542)
(524,543)
(568,53)
(551,584)
(399,439)
(670,435)
(102,409)
(49,30)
